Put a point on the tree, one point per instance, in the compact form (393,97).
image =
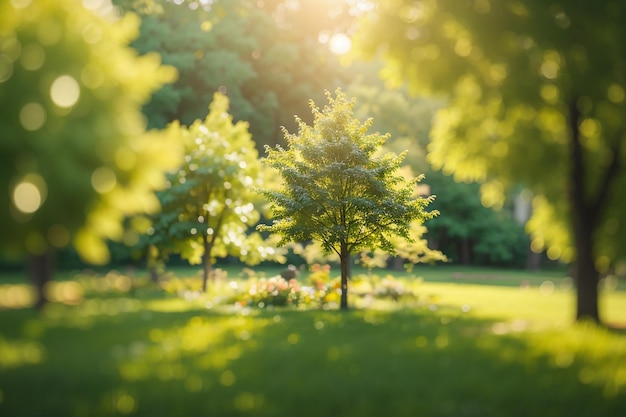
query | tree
(536,97)
(468,231)
(208,203)
(337,190)
(471,233)
(74,154)
(406,118)
(250,50)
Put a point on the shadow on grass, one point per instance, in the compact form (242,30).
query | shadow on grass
(197,362)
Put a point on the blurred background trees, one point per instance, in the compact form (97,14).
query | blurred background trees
(74,154)
(535,99)
(269,58)
(264,54)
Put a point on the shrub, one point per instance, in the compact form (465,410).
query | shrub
(275,291)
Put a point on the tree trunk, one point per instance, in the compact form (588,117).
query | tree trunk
(586,276)
(40,273)
(345,273)
(584,218)
(206,262)
(585,272)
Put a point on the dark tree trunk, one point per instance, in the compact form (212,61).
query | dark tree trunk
(345,273)
(206,262)
(40,270)
(584,218)
(586,276)
(585,272)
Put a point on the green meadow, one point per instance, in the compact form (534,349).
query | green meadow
(466,342)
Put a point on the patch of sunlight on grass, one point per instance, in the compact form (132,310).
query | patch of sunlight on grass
(502,303)
(88,312)
(16,353)
(170,305)
(599,353)
(186,352)
(246,401)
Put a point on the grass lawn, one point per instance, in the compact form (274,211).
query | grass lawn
(472,342)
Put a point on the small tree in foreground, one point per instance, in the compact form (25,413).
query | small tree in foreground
(338,190)
(208,203)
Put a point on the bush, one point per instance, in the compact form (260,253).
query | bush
(275,291)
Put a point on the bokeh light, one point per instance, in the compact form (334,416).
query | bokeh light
(103,180)
(65,91)
(6,68)
(32,116)
(29,194)
(33,57)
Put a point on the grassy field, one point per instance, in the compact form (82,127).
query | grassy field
(470,342)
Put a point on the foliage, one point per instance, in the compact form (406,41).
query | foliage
(208,203)
(312,252)
(322,290)
(490,238)
(472,233)
(391,288)
(337,190)
(407,119)
(319,276)
(252,51)
(272,292)
(74,154)
(536,98)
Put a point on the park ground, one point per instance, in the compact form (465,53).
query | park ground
(458,342)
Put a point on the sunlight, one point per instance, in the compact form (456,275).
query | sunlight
(16,296)
(16,353)
(340,44)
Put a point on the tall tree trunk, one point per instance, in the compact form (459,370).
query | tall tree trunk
(206,261)
(587,277)
(584,218)
(345,273)
(40,270)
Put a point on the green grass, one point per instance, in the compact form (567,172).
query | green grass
(474,342)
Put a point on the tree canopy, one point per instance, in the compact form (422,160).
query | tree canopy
(468,232)
(208,203)
(75,157)
(338,190)
(249,50)
(536,97)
